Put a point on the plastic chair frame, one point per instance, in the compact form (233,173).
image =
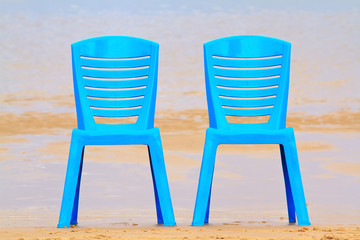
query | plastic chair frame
(218,59)
(113,50)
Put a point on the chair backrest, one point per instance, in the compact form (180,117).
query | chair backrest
(115,77)
(247,77)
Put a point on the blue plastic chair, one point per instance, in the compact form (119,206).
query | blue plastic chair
(248,76)
(115,77)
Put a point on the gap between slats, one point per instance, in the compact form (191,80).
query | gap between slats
(115,120)
(115,89)
(115,79)
(114,99)
(249,58)
(247,68)
(248,78)
(110,112)
(248,98)
(248,89)
(114,108)
(115,69)
(115,59)
(247,120)
(248,108)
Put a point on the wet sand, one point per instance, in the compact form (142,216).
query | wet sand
(186,121)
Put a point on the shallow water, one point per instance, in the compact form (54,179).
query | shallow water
(35,47)
(37,111)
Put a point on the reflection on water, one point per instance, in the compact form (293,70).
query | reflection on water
(37,111)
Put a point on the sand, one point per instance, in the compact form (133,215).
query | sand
(335,232)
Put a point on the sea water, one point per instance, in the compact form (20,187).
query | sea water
(36,79)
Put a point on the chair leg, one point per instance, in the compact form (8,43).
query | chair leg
(294,174)
(202,204)
(158,208)
(76,202)
(161,183)
(70,196)
(289,197)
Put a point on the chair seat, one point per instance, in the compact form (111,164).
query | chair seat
(141,137)
(277,136)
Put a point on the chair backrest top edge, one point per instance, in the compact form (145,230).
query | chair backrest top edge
(246,36)
(114,37)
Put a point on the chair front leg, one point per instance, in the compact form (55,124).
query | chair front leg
(70,200)
(202,204)
(161,185)
(293,169)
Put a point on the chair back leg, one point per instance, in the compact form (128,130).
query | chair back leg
(158,208)
(74,215)
(208,206)
(289,195)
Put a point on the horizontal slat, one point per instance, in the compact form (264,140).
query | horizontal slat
(246,63)
(132,102)
(128,93)
(249,102)
(116,83)
(247,112)
(248,83)
(245,93)
(115,113)
(115,63)
(247,73)
(115,74)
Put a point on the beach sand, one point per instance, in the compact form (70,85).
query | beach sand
(334,232)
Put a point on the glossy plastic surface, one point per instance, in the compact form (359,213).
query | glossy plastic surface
(115,77)
(248,77)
